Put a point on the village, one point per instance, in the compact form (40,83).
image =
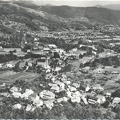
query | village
(46,75)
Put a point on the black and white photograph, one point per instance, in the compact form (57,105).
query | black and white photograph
(60,59)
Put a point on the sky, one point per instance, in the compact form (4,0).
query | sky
(79,3)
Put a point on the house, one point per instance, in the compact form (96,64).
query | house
(42,61)
(46,50)
(52,46)
(59,51)
(37,53)
(2,51)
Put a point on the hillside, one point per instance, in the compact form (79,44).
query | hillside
(31,17)
(93,13)
(99,14)
(34,20)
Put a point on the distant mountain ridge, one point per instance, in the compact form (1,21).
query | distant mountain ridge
(98,14)
(110,6)
(24,14)
(113,6)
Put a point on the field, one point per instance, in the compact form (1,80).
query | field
(10,76)
(11,49)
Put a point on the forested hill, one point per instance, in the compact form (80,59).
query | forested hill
(29,16)
(93,13)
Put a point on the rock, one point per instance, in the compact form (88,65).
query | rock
(17,106)
(49,104)
(45,94)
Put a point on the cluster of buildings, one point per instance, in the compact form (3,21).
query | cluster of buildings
(56,89)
